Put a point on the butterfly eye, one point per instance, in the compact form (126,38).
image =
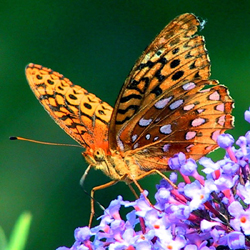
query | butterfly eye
(98,155)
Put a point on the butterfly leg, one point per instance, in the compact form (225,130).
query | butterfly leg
(92,211)
(133,191)
(146,174)
(155,171)
(142,192)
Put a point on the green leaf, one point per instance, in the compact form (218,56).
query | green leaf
(3,240)
(19,235)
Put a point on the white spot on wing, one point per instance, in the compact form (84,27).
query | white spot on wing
(188,107)
(157,119)
(156,138)
(176,104)
(166,129)
(147,136)
(214,96)
(198,121)
(190,135)
(120,144)
(165,147)
(200,110)
(163,102)
(220,107)
(134,137)
(209,148)
(188,86)
(144,122)
(221,120)
(188,148)
(215,135)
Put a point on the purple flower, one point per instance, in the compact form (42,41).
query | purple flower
(242,142)
(197,193)
(225,140)
(244,192)
(247,115)
(177,161)
(162,197)
(234,240)
(228,167)
(189,168)
(210,212)
(209,165)
(247,135)
(241,218)
(208,225)
(225,181)
(82,233)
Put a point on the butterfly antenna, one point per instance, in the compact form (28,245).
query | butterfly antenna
(82,180)
(42,142)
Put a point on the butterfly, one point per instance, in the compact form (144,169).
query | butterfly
(166,105)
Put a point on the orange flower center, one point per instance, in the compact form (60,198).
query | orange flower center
(243,219)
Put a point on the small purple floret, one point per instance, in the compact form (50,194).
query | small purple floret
(247,115)
(177,161)
(189,168)
(225,140)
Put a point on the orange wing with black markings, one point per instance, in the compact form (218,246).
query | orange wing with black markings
(79,113)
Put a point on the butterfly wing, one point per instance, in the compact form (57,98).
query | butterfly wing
(174,56)
(152,116)
(188,123)
(80,114)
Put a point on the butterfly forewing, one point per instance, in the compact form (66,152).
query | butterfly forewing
(163,107)
(175,56)
(82,115)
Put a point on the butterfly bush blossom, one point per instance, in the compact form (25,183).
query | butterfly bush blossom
(211,212)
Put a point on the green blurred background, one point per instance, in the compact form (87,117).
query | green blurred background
(95,44)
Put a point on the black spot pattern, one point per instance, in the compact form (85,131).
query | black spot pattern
(157,91)
(175,63)
(175,51)
(177,75)
(73,97)
(87,105)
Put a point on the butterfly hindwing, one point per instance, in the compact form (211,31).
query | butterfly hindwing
(192,125)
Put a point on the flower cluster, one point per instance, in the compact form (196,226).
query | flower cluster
(210,212)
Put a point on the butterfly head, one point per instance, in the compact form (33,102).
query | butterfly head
(95,157)
(114,165)
(98,159)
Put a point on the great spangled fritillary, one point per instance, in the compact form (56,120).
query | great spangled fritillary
(166,105)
